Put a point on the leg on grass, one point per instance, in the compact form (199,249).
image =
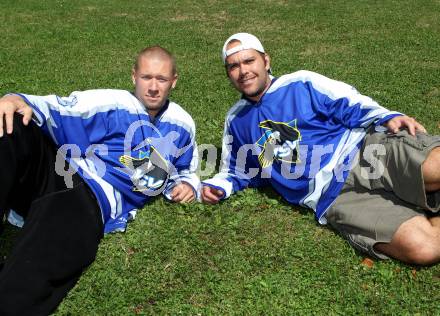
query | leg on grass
(58,241)
(416,241)
(62,227)
(431,170)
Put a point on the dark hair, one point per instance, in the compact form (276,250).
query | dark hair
(260,53)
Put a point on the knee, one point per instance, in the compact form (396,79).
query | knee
(416,241)
(420,249)
(431,170)
(17,124)
(424,255)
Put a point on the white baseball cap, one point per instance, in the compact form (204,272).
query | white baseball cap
(248,41)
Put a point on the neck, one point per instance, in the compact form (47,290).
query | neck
(152,113)
(256,98)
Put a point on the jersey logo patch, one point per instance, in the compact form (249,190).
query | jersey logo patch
(67,101)
(149,171)
(280,142)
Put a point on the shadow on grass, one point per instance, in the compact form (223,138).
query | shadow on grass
(270,193)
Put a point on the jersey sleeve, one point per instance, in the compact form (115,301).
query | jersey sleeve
(342,102)
(59,116)
(185,163)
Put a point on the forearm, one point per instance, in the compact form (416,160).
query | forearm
(12,99)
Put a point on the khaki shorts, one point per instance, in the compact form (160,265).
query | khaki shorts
(384,189)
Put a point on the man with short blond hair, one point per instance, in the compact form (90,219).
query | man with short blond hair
(320,144)
(79,166)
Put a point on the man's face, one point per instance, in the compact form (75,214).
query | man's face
(248,71)
(153,82)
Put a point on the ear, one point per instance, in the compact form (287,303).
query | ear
(226,71)
(173,85)
(133,76)
(267,61)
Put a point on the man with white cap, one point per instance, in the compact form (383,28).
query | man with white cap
(371,173)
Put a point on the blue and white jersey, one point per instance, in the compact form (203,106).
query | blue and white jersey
(300,138)
(122,153)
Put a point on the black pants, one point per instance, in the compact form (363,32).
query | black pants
(62,227)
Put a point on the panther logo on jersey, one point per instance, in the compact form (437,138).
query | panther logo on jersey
(149,170)
(279,142)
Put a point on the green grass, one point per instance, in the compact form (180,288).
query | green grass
(253,254)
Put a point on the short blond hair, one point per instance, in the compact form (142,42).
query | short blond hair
(155,51)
